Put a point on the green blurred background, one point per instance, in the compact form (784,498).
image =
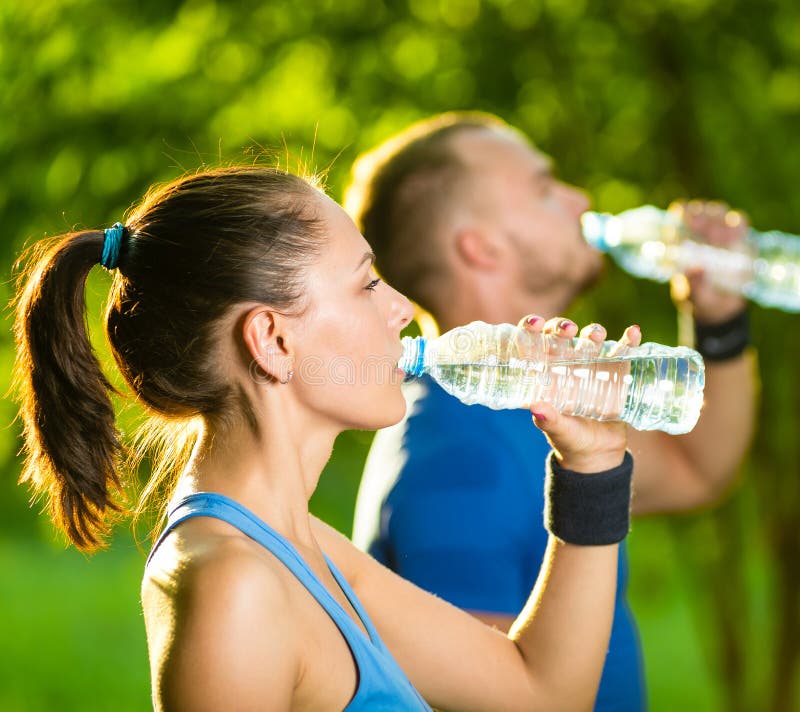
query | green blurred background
(638,101)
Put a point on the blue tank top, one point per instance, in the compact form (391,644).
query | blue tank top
(382,685)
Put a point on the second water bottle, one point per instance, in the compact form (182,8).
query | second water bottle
(655,244)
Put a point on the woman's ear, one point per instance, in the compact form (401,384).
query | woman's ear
(261,331)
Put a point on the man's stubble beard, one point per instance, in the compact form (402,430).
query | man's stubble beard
(568,289)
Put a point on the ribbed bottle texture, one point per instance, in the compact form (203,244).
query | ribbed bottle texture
(655,244)
(652,387)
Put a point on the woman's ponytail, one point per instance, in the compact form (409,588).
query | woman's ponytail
(71,442)
(190,253)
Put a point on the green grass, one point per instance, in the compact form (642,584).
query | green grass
(677,671)
(72,630)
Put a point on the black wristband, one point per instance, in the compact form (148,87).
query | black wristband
(720,342)
(588,509)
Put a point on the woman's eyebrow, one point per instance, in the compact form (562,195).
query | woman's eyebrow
(367,256)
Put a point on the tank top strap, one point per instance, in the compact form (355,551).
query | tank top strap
(218,506)
(356,604)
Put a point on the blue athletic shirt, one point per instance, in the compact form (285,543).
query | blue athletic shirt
(382,685)
(452,498)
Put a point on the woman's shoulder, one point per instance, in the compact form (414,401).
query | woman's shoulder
(208,597)
(208,558)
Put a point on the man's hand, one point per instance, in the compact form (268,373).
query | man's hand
(718,225)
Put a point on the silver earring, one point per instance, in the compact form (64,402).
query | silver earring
(288,377)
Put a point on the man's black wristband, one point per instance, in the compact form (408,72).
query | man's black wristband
(720,342)
(588,509)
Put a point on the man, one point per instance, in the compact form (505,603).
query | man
(466,218)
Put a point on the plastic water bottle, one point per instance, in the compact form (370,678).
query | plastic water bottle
(652,387)
(652,243)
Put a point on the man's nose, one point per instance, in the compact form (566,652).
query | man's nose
(576,200)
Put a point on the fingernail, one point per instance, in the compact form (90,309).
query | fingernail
(533,320)
(565,324)
(539,416)
(636,327)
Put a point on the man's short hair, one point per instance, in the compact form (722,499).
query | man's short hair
(402,190)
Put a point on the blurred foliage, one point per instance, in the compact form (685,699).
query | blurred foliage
(73,637)
(638,102)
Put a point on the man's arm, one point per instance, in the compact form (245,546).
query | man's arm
(675,473)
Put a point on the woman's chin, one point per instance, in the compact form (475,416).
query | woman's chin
(386,417)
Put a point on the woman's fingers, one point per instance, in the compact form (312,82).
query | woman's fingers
(594,332)
(590,339)
(566,328)
(632,336)
(532,322)
(559,326)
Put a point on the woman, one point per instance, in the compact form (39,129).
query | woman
(246,317)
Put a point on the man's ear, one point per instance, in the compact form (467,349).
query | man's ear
(262,331)
(477,249)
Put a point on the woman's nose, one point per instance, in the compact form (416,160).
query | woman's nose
(402,310)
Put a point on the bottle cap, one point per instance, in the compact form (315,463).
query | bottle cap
(413,359)
(593,226)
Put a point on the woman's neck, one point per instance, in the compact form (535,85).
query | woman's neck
(273,472)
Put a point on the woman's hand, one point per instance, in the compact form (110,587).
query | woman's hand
(581,444)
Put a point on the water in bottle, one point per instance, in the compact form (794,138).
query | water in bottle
(655,244)
(652,387)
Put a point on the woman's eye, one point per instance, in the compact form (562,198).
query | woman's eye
(374,283)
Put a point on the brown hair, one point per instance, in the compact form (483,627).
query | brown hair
(401,189)
(192,249)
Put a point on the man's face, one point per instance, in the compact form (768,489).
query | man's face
(515,195)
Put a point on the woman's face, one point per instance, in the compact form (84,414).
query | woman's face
(345,362)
